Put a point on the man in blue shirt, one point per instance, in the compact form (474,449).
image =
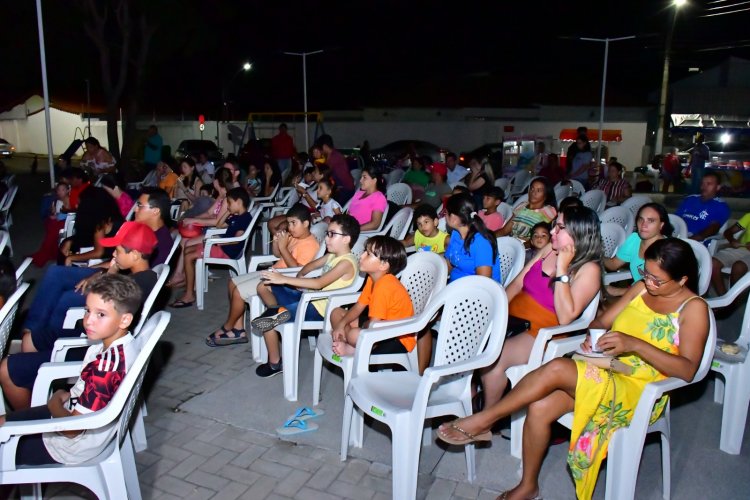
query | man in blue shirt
(152,153)
(704,214)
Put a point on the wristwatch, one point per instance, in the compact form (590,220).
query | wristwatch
(562,279)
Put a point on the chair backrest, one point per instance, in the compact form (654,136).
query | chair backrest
(575,188)
(174,211)
(359,247)
(8,315)
(395,176)
(126,397)
(162,273)
(704,265)
(285,196)
(520,181)
(399,193)
(521,199)
(734,292)
(7,201)
(176,239)
(679,226)
(596,200)
(4,239)
(619,215)
(505,210)
(512,257)
(319,231)
(562,192)
(69,225)
(356,174)
(399,224)
(635,202)
(22,269)
(425,274)
(473,308)
(613,235)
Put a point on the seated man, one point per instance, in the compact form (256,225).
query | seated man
(705,213)
(736,256)
(133,244)
(111,304)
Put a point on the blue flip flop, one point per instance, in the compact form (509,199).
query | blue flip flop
(306,413)
(296,426)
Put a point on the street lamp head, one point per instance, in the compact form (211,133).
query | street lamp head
(247,66)
(679,3)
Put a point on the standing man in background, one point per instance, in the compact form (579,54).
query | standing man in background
(282,148)
(152,151)
(698,158)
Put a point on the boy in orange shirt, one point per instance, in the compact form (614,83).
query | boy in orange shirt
(383,294)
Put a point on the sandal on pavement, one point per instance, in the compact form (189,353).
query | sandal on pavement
(181,304)
(504,496)
(306,413)
(296,426)
(223,338)
(470,438)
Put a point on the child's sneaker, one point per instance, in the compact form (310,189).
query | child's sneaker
(267,370)
(270,319)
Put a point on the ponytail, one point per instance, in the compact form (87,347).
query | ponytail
(462,206)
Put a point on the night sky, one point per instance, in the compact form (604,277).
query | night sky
(386,53)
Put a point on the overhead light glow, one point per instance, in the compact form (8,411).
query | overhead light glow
(726,138)
(679,3)
(247,66)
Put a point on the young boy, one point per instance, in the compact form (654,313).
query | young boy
(438,188)
(339,269)
(428,236)
(236,220)
(295,247)
(491,217)
(111,303)
(383,294)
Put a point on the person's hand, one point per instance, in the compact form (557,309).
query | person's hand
(282,237)
(338,335)
(61,395)
(272,278)
(615,343)
(586,344)
(735,244)
(83,285)
(565,256)
(299,188)
(69,260)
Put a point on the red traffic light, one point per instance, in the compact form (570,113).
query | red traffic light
(201,119)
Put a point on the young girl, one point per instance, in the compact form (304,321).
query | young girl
(327,206)
(253,180)
(540,236)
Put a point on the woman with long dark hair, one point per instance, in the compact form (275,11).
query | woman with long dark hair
(472,249)
(369,203)
(539,208)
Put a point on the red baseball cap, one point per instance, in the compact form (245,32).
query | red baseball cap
(439,167)
(134,236)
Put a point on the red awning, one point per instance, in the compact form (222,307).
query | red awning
(608,135)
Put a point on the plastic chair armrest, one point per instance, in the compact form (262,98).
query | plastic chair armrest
(386,330)
(63,345)
(72,423)
(616,276)
(256,260)
(50,372)
(215,231)
(72,316)
(560,347)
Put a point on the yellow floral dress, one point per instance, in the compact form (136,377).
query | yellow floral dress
(594,402)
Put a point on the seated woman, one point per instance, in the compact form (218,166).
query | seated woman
(223,182)
(479,180)
(416,176)
(539,208)
(270,179)
(656,328)
(369,203)
(124,201)
(187,189)
(652,224)
(553,289)
(614,186)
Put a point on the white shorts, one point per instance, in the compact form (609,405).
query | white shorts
(247,285)
(729,256)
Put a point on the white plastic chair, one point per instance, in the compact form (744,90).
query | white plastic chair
(713,242)
(562,192)
(22,269)
(505,210)
(471,336)
(68,226)
(4,240)
(503,184)
(596,200)
(7,317)
(732,386)
(619,215)
(399,224)
(426,273)
(575,188)
(395,176)
(264,201)
(704,265)
(512,257)
(680,228)
(519,183)
(236,266)
(635,202)
(626,444)
(112,474)
(399,193)
(524,198)
(539,355)
(613,235)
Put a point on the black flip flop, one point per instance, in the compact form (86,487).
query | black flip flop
(181,304)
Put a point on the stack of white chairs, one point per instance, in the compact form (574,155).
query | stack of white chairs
(470,337)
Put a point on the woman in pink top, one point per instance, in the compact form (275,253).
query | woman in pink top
(553,289)
(369,203)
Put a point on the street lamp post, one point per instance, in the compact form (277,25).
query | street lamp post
(604,86)
(246,66)
(304,85)
(665,80)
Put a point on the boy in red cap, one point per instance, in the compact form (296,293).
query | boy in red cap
(133,244)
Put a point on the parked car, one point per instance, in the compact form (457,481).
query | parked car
(192,147)
(492,152)
(6,149)
(391,153)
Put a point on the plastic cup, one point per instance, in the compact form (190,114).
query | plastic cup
(596,334)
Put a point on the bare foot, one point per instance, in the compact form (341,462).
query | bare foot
(342,348)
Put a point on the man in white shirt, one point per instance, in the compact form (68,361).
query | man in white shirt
(456,172)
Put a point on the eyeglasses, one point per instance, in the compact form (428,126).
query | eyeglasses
(138,204)
(650,277)
(331,234)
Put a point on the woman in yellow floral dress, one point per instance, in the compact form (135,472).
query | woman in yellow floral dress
(656,329)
